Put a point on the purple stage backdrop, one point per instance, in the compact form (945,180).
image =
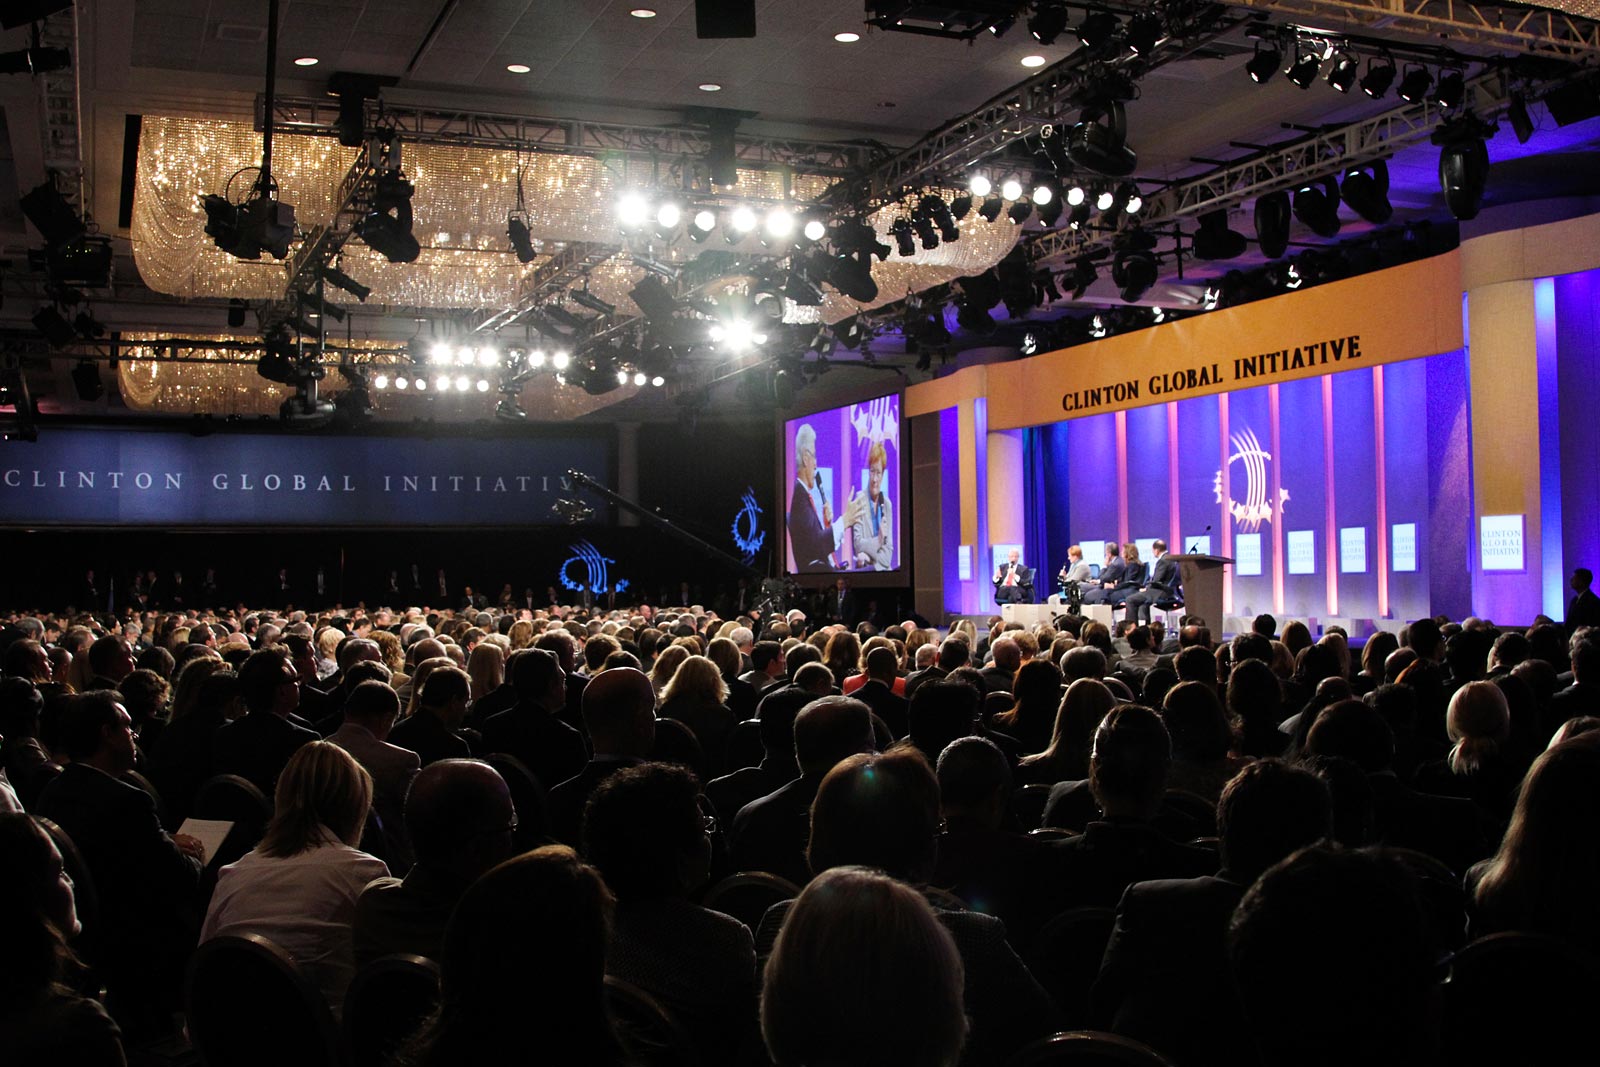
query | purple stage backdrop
(1320,488)
(851,446)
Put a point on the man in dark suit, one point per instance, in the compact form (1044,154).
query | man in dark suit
(1127,775)
(257,746)
(1585,607)
(1111,574)
(775,714)
(770,834)
(998,676)
(877,692)
(1164,978)
(619,713)
(1582,697)
(531,730)
(1013,582)
(144,879)
(842,603)
(431,730)
(1162,586)
(952,654)
(814,531)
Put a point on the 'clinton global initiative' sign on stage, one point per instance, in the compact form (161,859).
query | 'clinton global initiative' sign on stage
(171,479)
(1167,384)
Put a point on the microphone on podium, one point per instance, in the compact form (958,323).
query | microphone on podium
(1196,544)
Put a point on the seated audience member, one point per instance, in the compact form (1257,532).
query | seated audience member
(1127,777)
(299,886)
(775,714)
(144,878)
(995,870)
(697,697)
(110,661)
(431,731)
(619,714)
(23,757)
(1036,697)
(1331,958)
(842,656)
(1546,873)
(1446,828)
(948,710)
(741,695)
(369,716)
(258,745)
(1255,699)
(999,676)
(499,1006)
(1572,728)
(1158,681)
(144,694)
(1373,656)
(767,666)
(1202,739)
(1164,979)
(1066,758)
(1582,697)
(43,1021)
(863,974)
(533,730)
(1085,661)
(877,691)
(644,830)
(1479,766)
(882,811)
(459,818)
(205,698)
(953,653)
(770,833)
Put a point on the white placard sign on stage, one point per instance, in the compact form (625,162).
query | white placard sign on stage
(1094,552)
(1197,546)
(1247,554)
(1500,542)
(1302,551)
(964,562)
(1353,550)
(1404,555)
(1146,547)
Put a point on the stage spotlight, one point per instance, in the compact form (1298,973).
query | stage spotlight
(353,91)
(1272,215)
(52,214)
(923,225)
(236,312)
(1463,165)
(1049,213)
(1105,200)
(979,185)
(943,217)
(1451,90)
(961,207)
(1342,75)
(1304,70)
(380,382)
(402,383)
(815,229)
(1318,207)
(669,216)
(1144,32)
(1264,64)
(1076,196)
(1047,23)
(1134,268)
(347,283)
(1078,216)
(1099,140)
(561,360)
(1018,213)
(86,380)
(1521,121)
(1366,190)
(521,239)
(900,230)
(509,409)
(1375,83)
(991,209)
(1097,28)
(702,224)
(56,329)
(1084,274)
(1042,195)
(632,211)
(652,297)
(1414,86)
(584,298)
(1132,202)
(1214,240)
(441,353)
(387,227)
(780,223)
(1011,189)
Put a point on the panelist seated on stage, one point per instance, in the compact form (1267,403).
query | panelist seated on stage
(1013,582)
(1162,588)
(1120,578)
(1075,570)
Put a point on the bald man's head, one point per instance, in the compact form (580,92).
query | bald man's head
(619,712)
(427,648)
(459,815)
(828,730)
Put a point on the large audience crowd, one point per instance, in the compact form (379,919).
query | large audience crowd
(663,836)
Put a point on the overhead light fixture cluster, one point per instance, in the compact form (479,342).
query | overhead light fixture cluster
(779,226)
(1098,29)
(1303,56)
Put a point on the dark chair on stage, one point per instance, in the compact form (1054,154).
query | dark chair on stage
(248,1005)
(1021,593)
(386,1001)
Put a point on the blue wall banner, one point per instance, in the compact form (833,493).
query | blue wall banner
(99,477)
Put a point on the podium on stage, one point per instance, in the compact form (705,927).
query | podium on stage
(1201,579)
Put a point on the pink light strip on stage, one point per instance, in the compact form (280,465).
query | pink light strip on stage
(1331,550)
(1122,477)
(1225,519)
(1175,538)
(1383,492)
(1276,498)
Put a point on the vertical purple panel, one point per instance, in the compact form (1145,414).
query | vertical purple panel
(950,504)
(1449,466)
(1092,484)
(1577,322)
(1197,472)
(1149,476)
(1405,387)
(1355,503)
(1300,440)
(1250,431)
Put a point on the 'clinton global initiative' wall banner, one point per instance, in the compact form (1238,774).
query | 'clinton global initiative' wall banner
(82,476)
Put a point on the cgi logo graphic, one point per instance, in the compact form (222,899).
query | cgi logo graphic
(877,421)
(595,577)
(748,537)
(1255,509)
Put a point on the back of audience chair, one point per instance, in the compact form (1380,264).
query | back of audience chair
(527,799)
(676,743)
(387,1002)
(649,1033)
(137,779)
(1027,804)
(83,890)
(747,896)
(1519,998)
(248,1005)
(230,798)
(744,746)
(1065,958)
(1088,1048)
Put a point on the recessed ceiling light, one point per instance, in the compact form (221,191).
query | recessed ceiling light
(710,87)
(847,37)
(306,61)
(1033,61)
(518,68)
(643,12)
